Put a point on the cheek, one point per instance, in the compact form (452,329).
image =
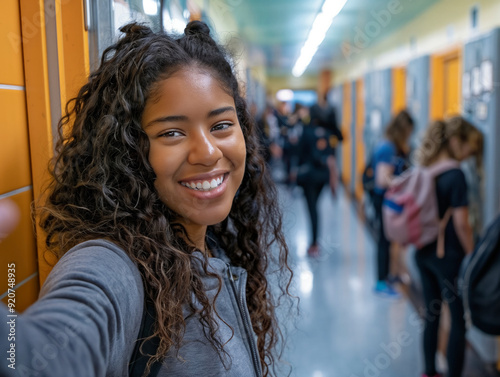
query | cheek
(241,151)
(153,158)
(163,164)
(164,160)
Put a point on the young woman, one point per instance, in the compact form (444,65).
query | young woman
(389,160)
(453,139)
(159,195)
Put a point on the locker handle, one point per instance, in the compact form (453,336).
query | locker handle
(86,14)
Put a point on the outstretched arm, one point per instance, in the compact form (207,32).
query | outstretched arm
(85,322)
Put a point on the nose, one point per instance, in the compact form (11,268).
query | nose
(203,149)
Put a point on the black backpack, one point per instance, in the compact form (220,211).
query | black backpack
(481,283)
(138,362)
(368,178)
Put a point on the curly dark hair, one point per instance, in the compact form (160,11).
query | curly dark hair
(103,187)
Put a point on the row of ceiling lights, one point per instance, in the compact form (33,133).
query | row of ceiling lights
(321,24)
(323,21)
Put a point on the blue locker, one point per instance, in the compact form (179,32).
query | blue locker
(255,93)
(352,136)
(335,98)
(378,104)
(417,94)
(481,104)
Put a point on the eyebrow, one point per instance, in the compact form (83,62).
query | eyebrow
(183,118)
(220,111)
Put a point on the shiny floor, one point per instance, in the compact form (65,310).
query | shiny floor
(343,328)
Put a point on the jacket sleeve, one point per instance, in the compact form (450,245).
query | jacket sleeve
(305,144)
(335,127)
(85,321)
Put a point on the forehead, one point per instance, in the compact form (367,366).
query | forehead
(190,86)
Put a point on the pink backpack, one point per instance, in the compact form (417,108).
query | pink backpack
(410,209)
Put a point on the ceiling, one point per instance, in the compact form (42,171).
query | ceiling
(278,28)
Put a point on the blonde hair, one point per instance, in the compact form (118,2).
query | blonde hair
(438,135)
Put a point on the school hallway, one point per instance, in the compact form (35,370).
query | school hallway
(344,329)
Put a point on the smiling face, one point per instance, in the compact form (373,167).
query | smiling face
(197,148)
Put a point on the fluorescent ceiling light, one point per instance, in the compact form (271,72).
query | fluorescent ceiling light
(178,26)
(284,95)
(150,7)
(173,23)
(323,21)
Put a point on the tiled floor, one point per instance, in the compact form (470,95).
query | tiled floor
(344,329)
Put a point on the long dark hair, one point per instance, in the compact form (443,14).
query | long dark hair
(399,129)
(103,187)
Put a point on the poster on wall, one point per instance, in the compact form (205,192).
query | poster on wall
(487,75)
(476,81)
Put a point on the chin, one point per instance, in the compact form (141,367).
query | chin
(211,219)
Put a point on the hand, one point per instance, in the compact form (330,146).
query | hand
(9,217)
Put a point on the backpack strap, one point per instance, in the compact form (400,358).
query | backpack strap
(442,166)
(436,170)
(441,234)
(138,362)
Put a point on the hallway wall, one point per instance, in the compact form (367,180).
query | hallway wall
(445,25)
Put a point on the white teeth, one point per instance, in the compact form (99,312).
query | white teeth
(205,185)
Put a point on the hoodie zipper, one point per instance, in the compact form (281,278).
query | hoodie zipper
(246,322)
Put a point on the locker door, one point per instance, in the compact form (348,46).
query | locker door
(445,98)
(452,87)
(398,89)
(418,97)
(24,118)
(360,146)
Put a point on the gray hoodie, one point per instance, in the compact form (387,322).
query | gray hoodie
(88,316)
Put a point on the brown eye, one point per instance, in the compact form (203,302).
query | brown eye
(170,134)
(221,126)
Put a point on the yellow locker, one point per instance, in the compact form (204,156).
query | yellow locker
(346,132)
(360,145)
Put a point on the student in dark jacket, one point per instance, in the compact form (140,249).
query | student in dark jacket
(323,114)
(318,165)
(452,139)
(159,193)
